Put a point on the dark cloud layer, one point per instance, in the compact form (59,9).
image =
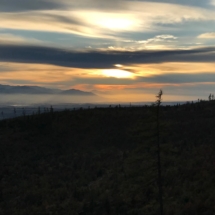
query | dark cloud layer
(180,78)
(196,3)
(28,5)
(25,5)
(100,59)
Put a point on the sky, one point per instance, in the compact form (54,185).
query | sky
(121,50)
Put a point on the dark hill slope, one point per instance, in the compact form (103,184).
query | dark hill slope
(103,161)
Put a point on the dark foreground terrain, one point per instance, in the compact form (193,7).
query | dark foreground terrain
(104,161)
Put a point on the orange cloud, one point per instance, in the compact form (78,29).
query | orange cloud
(137,89)
(147,70)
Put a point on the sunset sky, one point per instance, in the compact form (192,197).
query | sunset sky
(120,50)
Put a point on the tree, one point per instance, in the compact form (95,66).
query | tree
(157,104)
(209,97)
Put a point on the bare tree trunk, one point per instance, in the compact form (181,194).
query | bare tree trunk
(158,102)
(1,174)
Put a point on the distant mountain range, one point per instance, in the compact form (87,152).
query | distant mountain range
(7,89)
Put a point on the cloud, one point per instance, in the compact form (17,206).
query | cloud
(212,2)
(165,36)
(14,39)
(100,59)
(185,2)
(55,76)
(99,20)
(159,42)
(42,21)
(153,69)
(36,5)
(181,78)
(210,35)
(158,39)
(26,5)
(194,79)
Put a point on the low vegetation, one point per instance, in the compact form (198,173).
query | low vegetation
(104,161)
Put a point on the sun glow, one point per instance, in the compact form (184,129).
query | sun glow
(118,65)
(113,21)
(117,73)
(116,23)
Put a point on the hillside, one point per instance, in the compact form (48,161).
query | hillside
(103,161)
(7,90)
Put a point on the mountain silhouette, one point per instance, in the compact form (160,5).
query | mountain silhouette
(76,92)
(7,89)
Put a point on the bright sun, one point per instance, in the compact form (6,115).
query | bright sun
(117,73)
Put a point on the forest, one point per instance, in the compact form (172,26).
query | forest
(103,161)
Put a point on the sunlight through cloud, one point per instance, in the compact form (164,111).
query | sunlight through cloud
(115,23)
(117,73)
(118,65)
